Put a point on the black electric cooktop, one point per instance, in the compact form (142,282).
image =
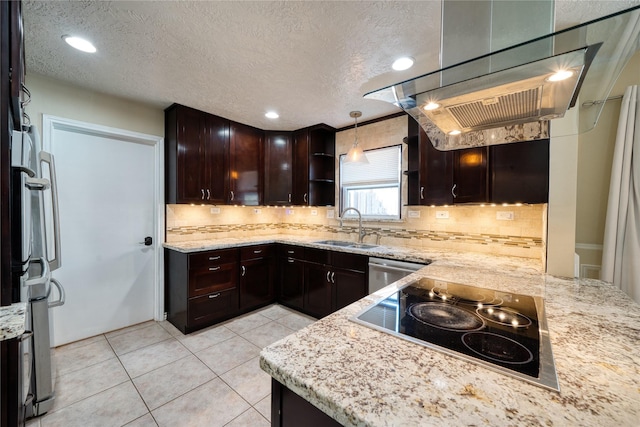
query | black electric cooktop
(500,330)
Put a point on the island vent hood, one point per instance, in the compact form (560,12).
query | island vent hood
(511,95)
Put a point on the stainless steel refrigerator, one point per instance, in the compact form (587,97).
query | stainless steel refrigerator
(36,254)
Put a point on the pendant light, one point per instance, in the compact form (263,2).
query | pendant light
(355,154)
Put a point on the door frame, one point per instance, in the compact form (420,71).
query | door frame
(52,123)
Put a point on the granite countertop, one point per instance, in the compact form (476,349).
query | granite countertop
(516,265)
(12,320)
(361,376)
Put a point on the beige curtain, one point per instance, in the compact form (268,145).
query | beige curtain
(621,249)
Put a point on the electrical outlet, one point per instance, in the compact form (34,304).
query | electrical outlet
(330,213)
(504,215)
(314,212)
(442,214)
(257,211)
(215,211)
(414,214)
(289,211)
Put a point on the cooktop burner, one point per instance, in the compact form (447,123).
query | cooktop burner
(503,331)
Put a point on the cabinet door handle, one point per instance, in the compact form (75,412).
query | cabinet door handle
(244,270)
(304,197)
(421,193)
(291,260)
(258,251)
(214,295)
(208,194)
(453,191)
(232,195)
(289,197)
(213,258)
(333,277)
(328,280)
(202,193)
(214,268)
(291,252)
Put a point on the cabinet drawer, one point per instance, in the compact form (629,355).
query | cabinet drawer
(258,251)
(348,261)
(216,278)
(290,251)
(212,258)
(212,307)
(319,256)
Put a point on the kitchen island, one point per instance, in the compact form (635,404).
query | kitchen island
(360,376)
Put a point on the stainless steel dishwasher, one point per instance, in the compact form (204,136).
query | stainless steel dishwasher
(383,272)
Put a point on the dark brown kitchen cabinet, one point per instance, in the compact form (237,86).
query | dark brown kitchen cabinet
(520,172)
(278,169)
(430,171)
(333,280)
(322,169)
(507,173)
(470,183)
(246,165)
(201,288)
(300,178)
(291,276)
(197,156)
(290,410)
(257,274)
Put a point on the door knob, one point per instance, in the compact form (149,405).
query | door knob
(148,241)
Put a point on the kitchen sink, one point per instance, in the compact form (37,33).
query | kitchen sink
(344,244)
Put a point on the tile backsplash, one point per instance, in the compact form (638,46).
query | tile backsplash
(472,228)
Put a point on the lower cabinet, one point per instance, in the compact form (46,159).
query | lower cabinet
(290,410)
(257,270)
(205,288)
(201,288)
(333,280)
(291,276)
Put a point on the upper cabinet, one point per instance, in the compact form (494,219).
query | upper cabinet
(300,167)
(212,160)
(196,156)
(246,160)
(508,173)
(278,168)
(322,166)
(300,187)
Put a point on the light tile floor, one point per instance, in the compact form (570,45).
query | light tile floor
(151,375)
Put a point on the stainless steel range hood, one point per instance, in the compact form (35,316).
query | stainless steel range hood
(515,99)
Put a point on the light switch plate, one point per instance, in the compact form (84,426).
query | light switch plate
(289,211)
(442,214)
(215,211)
(257,211)
(330,213)
(504,215)
(414,214)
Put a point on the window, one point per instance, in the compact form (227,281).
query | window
(374,188)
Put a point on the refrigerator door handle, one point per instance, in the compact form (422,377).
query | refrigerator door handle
(62,298)
(48,158)
(37,184)
(45,276)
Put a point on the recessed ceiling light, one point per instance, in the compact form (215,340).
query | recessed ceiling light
(80,44)
(455,132)
(560,75)
(271,115)
(401,64)
(431,106)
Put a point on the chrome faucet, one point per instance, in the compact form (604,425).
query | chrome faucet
(361,232)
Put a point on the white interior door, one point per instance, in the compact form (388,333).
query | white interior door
(106,192)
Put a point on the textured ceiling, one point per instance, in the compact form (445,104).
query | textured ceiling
(311,61)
